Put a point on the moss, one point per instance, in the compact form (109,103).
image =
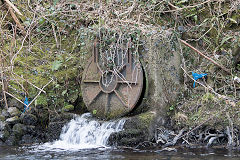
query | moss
(41,100)
(68,108)
(146,119)
(2,118)
(208,97)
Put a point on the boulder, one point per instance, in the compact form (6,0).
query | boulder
(54,130)
(14,103)
(2,118)
(29,119)
(11,140)
(137,129)
(12,120)
(18,130)
(5,114)
(4,131)
(13,111)
(28,139)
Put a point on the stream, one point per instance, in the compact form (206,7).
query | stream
(86,138)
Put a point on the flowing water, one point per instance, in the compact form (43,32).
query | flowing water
(86,138)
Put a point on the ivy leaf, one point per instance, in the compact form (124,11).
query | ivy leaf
(56,65)
(64,92)
(225,40)
(94,111)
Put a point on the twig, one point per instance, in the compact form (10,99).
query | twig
(16,19)
(175,139)
(230,138)
(211,89)
(29,82)
(3,83)
(55,35)
(39,93)
(179,9)
(15,8)
(200,53)
(15,98)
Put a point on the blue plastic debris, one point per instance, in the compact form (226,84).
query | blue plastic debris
(26,102)
(197,76)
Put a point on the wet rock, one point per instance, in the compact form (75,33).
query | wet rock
(28,139)
(12,120)
(11,140)
(4,131)
(128,137)
(137,129)
(1,143)
(29,119)
(13,111)
(18,130)
(57,121)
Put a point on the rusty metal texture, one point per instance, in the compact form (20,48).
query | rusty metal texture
(110,90)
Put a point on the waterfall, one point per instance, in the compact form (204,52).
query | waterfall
(83,132)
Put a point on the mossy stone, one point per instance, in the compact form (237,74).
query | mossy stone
(68,108)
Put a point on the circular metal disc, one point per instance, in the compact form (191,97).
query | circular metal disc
(112,93)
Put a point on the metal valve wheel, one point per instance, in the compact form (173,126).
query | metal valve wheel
(112,91)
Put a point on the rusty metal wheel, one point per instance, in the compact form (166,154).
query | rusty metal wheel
(111,92)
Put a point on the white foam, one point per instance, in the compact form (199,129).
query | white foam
(83,133)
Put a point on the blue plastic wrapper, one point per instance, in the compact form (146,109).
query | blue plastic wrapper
(197,76)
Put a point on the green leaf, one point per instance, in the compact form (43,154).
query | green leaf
(171,108)
(94,111)
(195,18)
(56,65)
(64,92)
(225,40)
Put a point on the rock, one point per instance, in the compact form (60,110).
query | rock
(2,118)
(13,120)
(29,119)
(31,129)
(137,129)
(27,139)
(11,140)
(4,133)
(13,111)
(68,108)
(14,103)
(61,117)
(5,113)
(18,130)
(1,143)
(54,130)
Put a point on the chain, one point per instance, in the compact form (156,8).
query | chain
(113,54)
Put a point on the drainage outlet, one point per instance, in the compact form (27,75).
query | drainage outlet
(112,82)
